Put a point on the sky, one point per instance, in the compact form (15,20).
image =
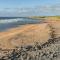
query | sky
(29,7)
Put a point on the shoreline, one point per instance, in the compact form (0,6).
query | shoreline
(29,33)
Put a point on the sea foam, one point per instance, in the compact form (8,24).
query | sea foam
(10,20)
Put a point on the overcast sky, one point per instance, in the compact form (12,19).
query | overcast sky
(29,7)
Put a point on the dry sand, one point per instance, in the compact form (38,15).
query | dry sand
(28,34)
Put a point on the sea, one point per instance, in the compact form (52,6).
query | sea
(12,22)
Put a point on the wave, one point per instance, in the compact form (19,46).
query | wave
(10,20)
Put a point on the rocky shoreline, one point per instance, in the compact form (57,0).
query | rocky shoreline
(46,51)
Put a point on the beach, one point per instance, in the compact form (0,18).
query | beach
(28,34)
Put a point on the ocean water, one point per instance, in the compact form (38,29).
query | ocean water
(11,22)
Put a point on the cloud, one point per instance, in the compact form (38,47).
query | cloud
(39,10)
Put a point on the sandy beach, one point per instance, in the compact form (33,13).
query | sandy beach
(28,34)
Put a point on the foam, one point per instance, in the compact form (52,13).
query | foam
(10,20)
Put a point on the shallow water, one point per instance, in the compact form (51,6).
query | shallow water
(14,22)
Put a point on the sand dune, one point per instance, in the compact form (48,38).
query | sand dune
(28,34)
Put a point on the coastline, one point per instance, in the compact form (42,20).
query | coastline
(29,34)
